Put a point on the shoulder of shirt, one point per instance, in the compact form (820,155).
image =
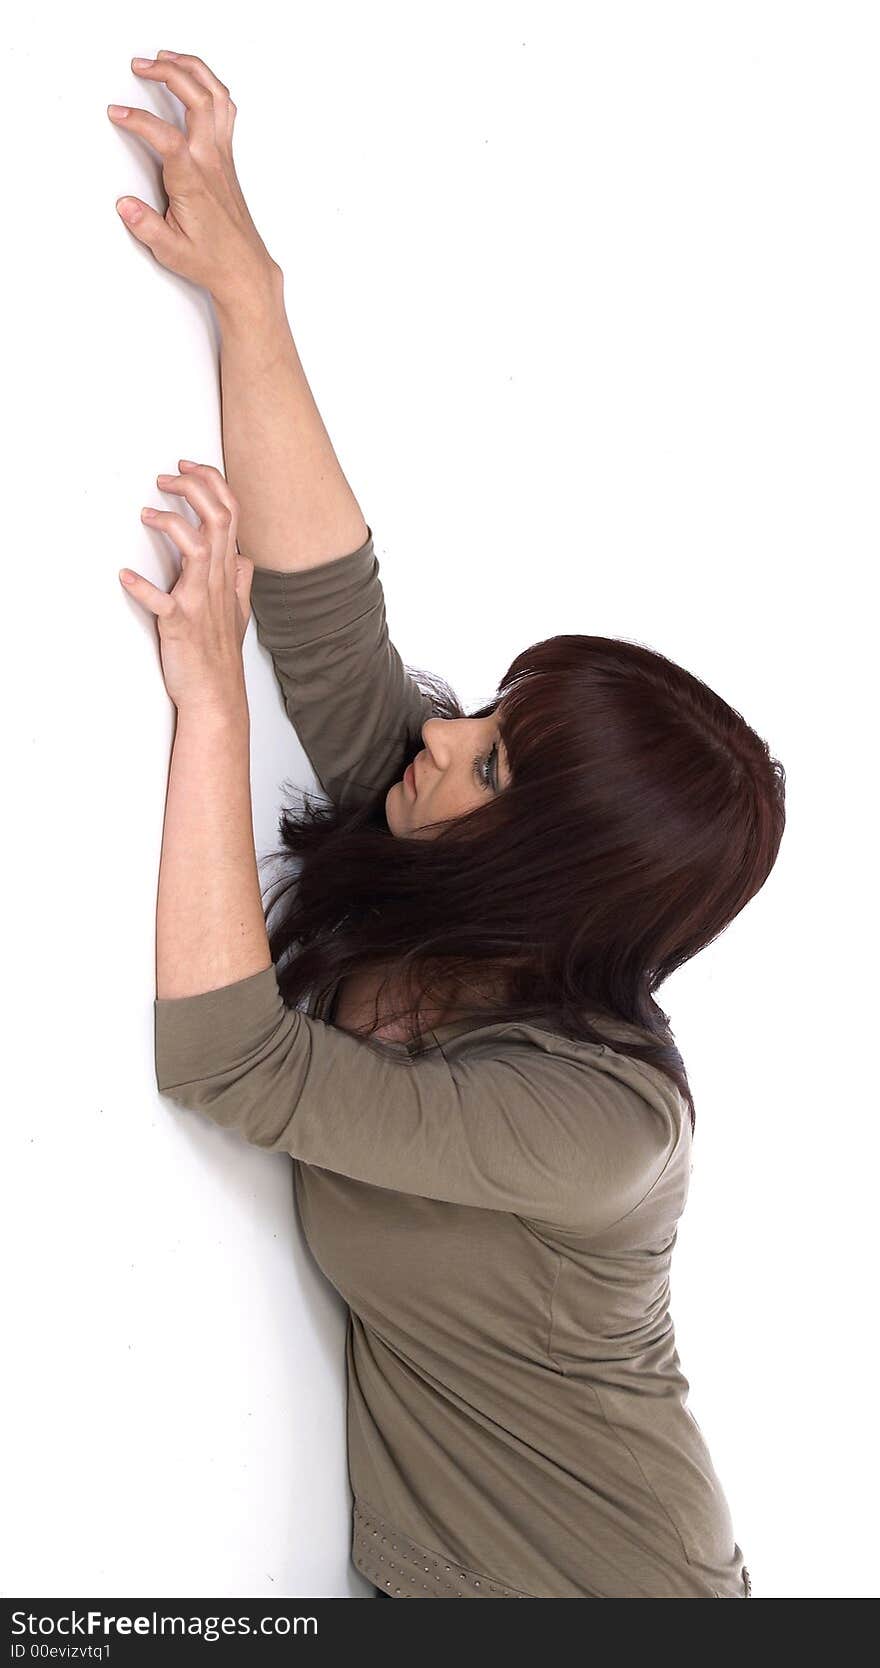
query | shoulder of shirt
(549,1060)
(535,1051)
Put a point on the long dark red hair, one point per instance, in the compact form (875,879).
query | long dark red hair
(642,815)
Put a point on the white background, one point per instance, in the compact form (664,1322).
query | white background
(587,295)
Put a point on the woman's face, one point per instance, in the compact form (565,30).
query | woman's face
(462,765)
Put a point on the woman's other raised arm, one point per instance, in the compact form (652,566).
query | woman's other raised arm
(296,508)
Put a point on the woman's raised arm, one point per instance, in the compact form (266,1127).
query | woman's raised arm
(296,507)
(343,683)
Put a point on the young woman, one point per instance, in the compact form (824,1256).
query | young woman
(448,1018)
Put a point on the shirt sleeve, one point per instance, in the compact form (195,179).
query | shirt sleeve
(345,689)
(509,1127)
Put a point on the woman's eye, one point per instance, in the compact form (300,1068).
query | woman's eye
(483,766)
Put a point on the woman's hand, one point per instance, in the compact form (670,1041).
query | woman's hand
(202,621)
(207,234)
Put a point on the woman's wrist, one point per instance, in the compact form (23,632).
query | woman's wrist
(227,714)
(250,297)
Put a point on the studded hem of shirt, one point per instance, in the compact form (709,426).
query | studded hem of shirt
(405,1569)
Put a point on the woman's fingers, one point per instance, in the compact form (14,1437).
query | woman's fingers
(200,72)
(208,120)
(204,617)
(206,490)
(206,472)
(197,68)
(190,540)
(165,137)
(198,100)
(215,508)
(207,234)
(209,494)
(158,602)
(148,226)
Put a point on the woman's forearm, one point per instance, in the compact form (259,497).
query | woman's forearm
(210,926)
(296,509)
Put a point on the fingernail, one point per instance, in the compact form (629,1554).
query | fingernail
(142,63)
(148,513)
(128,208)
(118,110)
(164,53)
(126,576)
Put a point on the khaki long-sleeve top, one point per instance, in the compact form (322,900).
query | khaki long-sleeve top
(496,1205)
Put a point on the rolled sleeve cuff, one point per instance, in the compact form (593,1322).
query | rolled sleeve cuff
(308,604)
(216,1031)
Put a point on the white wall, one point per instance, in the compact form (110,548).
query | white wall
(588,298)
